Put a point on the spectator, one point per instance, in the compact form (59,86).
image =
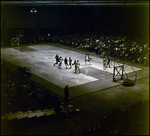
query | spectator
(71,108)
(66,92)
(57,104)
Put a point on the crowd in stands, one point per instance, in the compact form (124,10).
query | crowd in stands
(19,93)
(124,47)
(133,121)
(136,50)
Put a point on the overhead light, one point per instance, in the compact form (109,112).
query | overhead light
(33,10)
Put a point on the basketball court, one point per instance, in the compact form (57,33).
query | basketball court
(39,59)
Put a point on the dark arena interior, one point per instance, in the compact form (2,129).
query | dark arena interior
(74,67)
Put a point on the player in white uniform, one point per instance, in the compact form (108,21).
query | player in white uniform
(87,58)
(60,61)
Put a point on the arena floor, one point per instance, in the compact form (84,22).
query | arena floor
(39,59)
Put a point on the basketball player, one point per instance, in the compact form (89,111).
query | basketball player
(104,64)
(66,62)
(108,62)
(74,64)
(77,64)
(57,59)
(60,62)
(70,62)
(87,58)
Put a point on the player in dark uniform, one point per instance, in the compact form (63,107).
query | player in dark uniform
(74,63)
(66,62)
(57,59)
(108,62)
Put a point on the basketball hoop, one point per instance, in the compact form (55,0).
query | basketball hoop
(15,41)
